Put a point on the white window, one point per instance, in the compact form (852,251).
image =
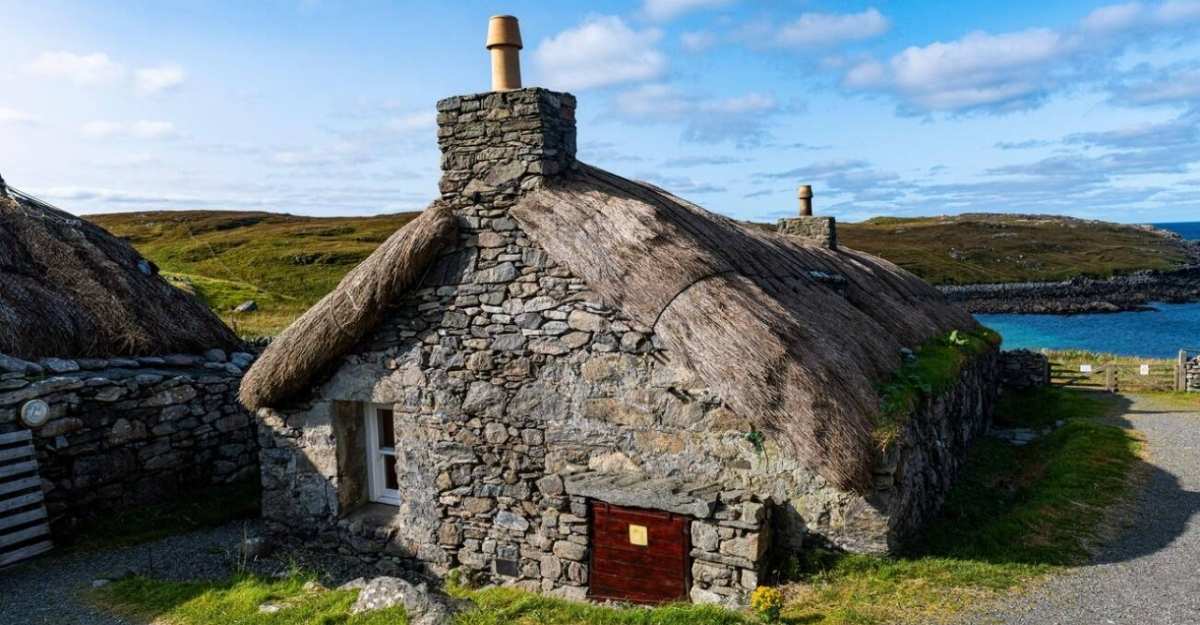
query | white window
(381,455)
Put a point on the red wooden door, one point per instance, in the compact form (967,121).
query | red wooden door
(639,555)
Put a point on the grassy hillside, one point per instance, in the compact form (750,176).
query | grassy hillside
(977,248)
(284,263)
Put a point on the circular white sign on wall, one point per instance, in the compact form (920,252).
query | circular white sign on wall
(35,413)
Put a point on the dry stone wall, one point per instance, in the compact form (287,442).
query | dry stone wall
(124,432)
(1022,368)
(1191,374)
(509,379)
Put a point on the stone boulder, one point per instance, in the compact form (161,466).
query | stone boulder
(422,606)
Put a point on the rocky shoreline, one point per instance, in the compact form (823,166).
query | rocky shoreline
(1081,295)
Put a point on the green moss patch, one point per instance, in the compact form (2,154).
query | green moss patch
(932,369)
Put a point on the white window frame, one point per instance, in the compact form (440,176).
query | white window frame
(376,458)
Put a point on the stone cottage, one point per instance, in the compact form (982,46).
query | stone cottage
(116,389)
(568,381)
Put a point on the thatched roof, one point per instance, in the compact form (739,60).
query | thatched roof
(794,337)
(68,288)
(334,324)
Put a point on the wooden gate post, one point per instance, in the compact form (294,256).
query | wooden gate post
(1181,372)
(1110,378)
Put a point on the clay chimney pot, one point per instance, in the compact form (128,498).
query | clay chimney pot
(805,194)
(504,42)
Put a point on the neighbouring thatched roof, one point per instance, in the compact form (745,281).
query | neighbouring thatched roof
(68,288)
(794,337)
(334,324)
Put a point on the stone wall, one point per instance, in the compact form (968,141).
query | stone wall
(1192,375)
(509,379)
(1021,369)
(126,432)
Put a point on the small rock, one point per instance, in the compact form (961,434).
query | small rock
(60,365)
(246,306)
(270,607)
(215,355)
(421,606)
(100,583)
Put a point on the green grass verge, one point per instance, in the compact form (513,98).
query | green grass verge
(933,369)
(204,508)
(236,602)
(1016,514)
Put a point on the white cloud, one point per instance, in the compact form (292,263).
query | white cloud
(980,69)
(602,51)
(1019,70)
(812,30)
(152,80)
(1123,17)
(82,69)
(16,118)
(142,129)
(662,10)
(697,41)
(1113,17)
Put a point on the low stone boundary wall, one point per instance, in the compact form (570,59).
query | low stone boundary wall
(1191,375)
(1021,368)
(125,432)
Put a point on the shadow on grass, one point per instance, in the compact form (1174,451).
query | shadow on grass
(207,507)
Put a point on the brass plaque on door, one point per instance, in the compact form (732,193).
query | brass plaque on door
(638,535)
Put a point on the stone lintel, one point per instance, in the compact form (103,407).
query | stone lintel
(635,490)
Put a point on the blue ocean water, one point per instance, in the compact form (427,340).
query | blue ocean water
(1188,230)
(1154,334)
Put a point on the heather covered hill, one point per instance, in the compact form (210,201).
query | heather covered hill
(284,263)
(986,248)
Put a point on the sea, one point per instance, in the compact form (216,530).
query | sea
(1159,333)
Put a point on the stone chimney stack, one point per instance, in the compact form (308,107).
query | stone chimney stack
(504,42)
(805,195)
(820,231)
(496,145)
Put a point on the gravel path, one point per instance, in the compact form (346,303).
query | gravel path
(49,590)
(1151,574)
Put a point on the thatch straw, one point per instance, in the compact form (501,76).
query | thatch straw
(68,288)
(795,338)
(331,327)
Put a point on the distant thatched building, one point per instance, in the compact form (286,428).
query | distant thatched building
(69,288)
(116,389)
(576,382)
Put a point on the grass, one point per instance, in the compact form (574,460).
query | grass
(1017,514)
(968,249)
(933,369)
(237,601)
(199,509)
(285,263)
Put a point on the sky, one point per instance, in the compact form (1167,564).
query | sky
(327,107)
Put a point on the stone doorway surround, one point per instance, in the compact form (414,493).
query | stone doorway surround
(730,528)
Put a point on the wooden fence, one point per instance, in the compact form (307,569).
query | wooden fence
(1137,376)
